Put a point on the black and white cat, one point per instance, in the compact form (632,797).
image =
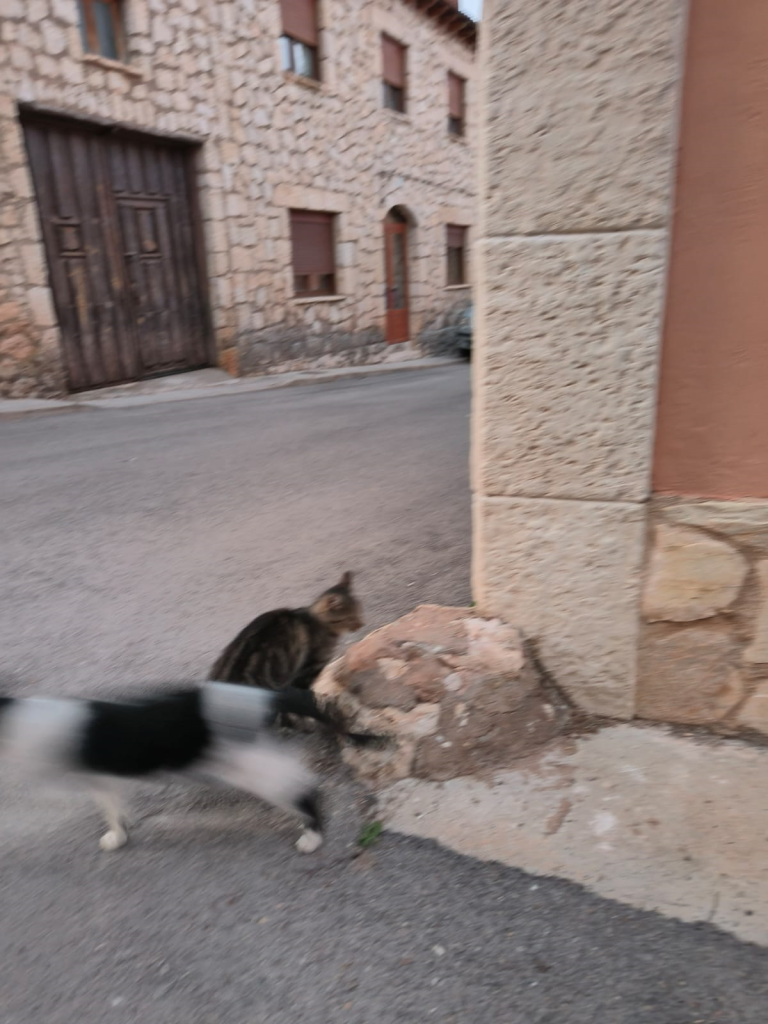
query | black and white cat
(216,732)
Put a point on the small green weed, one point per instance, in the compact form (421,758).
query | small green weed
(369,834)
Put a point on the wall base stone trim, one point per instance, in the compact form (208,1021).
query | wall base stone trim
(712,568)
(283,348)
(746,522)
(438,337)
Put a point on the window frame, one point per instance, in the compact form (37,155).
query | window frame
(300,31)
(394,93)
(457,123)
(288,45)
(89,29)
(462,258)
(314,287)
(394,97)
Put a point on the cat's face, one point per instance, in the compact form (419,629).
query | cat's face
(338,607)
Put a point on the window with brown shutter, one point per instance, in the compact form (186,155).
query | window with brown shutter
(393,73)
(298,42)
(455,252)
(456,87)
(101,28)
(312,243)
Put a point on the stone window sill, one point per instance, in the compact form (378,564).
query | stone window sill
(107,64)
(457,287)
(308,83)
(397,115)
(305,300)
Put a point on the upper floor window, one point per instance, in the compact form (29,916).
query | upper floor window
(393,73)
(101,28)
(313,253)
(456,103)
(298,43)
(456,257)
(457,87)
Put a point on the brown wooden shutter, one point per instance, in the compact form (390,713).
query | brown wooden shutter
(455,95)
(393,59)
(300,20)
(312,242)
(456,236)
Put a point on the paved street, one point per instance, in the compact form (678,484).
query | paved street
(134,544)
(137,542)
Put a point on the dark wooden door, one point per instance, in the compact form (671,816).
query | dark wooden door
(396,263)
(119,224)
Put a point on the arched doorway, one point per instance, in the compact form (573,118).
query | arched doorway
(396,269)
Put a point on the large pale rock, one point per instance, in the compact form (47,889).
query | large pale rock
(688,676)
(455,693)
(757,652)
(691,576)
(565,383)
(567,573)
(581,102)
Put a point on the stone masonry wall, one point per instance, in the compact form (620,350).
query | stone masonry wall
(270,142)
(704,644)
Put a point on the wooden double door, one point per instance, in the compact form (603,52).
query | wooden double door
(124,251)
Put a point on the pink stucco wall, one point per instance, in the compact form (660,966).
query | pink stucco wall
(712,425)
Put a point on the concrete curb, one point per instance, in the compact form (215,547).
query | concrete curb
(11,408)
(639,814)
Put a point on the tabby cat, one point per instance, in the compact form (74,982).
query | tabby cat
(289,647)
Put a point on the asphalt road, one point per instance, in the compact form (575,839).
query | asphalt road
(134,544)
(138,542)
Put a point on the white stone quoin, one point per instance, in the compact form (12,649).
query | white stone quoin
(578,148)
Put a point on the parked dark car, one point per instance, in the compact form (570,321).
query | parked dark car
(464,334)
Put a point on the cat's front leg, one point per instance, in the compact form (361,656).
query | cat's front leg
(311,838)
(108,798)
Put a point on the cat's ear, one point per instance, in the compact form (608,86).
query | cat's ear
(346,580)
(328,602)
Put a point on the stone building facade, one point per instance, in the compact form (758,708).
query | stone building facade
(259,141)
(620,469)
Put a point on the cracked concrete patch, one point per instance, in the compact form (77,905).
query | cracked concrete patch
(664,822)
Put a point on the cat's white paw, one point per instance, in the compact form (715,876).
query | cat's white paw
(309,841)
(113,839)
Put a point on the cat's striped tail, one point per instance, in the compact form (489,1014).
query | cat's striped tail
(292,701)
